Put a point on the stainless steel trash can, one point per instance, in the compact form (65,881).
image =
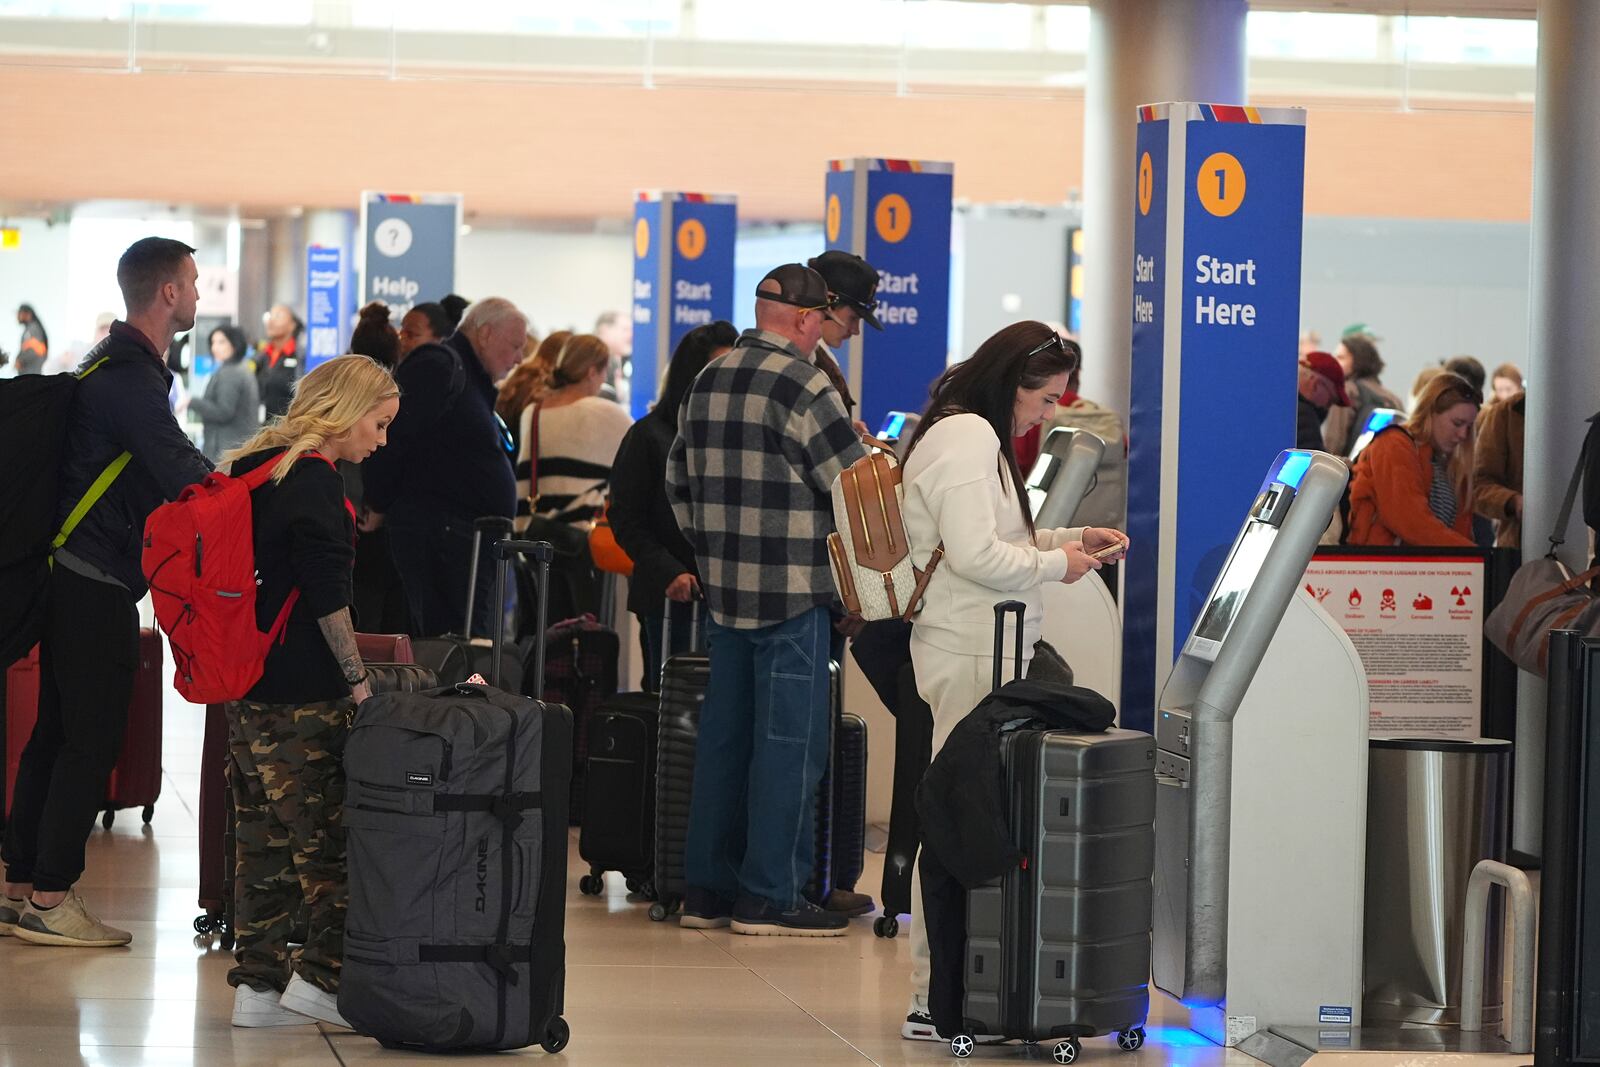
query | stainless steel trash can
(1434,809)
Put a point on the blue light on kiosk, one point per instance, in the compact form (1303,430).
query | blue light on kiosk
(1172,1037)
(1381,419)
(1293,468)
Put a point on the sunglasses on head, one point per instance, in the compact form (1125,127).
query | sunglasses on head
(1055,340)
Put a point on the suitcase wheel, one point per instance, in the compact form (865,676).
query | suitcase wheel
(207,924)
(961,1046)
(108,818)
(592,885)
(1131,1040)
(886,925)
(1067,1051)
(148,813)
(556,1036)
(659,912)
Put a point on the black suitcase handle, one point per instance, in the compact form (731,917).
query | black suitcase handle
(506,551)
(694,627)
(487,524)
(1001,610)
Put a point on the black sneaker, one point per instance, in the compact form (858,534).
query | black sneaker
(754,915)
(704,910)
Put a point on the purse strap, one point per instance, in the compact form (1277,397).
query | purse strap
(1558,536)
(533,461)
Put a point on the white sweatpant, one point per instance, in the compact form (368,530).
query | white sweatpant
(952,684)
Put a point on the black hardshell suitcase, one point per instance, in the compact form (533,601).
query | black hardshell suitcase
(849,838)
(456,657)
(1060,947)
(456,819)
(619,809)
(683,690)
(580,671)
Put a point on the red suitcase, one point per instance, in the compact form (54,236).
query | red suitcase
(21,712)
(135,781)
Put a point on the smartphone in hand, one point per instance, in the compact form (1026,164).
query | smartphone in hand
(1109,551)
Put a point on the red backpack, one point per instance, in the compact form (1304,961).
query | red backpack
(200,561)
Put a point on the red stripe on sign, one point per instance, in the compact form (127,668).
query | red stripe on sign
(897,165)
(836,164)
(1230,113)
(694,198)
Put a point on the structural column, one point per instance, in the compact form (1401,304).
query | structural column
(1140,52)
(1563,374)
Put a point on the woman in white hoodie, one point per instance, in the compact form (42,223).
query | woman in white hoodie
(963,489)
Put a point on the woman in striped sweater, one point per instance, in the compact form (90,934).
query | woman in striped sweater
(570,436)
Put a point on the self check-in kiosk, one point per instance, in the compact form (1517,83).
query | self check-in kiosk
(1261,736)
(1081,620)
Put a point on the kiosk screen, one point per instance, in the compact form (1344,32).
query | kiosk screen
(1039,479)
(1233,585)
(1380,419)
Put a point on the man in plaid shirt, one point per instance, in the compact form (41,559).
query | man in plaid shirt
(761,437)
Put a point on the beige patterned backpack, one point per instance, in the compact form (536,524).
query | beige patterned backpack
(870,553)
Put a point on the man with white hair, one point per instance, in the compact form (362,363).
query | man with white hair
(448,464)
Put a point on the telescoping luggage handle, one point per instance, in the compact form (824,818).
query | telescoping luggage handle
(666,627)
(541,552)
(1001,610)
(489,524)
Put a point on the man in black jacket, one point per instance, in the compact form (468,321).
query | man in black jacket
(447,464)
(89,650)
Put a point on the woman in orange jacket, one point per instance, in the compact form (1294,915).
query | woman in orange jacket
(1412,484)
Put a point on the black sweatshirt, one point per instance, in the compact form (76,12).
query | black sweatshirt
(641,515)
(303,537)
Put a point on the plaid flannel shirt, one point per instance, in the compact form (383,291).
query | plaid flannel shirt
(761,437)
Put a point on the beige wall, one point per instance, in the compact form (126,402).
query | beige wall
(526,150)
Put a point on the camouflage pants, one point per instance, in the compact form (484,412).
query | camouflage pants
(286,774)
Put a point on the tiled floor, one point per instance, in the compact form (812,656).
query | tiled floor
(637,992)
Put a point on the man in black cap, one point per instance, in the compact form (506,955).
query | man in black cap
(762,436)
(853,290)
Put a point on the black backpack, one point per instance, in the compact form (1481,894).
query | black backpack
(33,431)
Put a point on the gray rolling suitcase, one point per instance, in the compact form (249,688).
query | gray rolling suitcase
(456,819)
(1060,947)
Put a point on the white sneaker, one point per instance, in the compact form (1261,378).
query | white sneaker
(306,999)
(259,1007)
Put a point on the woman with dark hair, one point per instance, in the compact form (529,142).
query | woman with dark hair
(230,409)
(375,336)
(964,491)
(1362,365)
(640,514)
(378,599)
(422,324)
(1413,483)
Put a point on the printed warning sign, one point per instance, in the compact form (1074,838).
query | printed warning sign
(1417,623)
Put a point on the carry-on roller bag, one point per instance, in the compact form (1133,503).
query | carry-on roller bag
(456,822)
(580,671)
(216,802)
(619,808)
(456,657)
(1059,947)
(683,690)
(135,780)
(849,796)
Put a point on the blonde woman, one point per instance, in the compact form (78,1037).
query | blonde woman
(286,737)
(1412,484)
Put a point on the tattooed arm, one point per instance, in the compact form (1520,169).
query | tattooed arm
(340,633)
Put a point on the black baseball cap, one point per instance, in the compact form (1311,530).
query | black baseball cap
(852,280)
(798,285)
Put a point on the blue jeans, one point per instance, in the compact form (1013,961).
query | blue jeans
(762,749)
